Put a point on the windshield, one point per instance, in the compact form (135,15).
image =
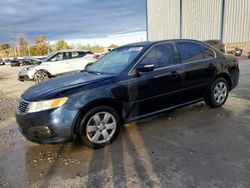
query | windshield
(116,61)
(48,57)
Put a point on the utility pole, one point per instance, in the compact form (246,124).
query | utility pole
(48,43)
(29,50)
(12,40)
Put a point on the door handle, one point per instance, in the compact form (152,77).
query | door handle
(211,66)
(174,74)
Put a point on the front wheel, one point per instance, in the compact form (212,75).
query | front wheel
(99,127)
(41,76)
(218,93)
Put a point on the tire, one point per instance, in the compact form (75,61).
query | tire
(218,93)
(93,130)
(40,76)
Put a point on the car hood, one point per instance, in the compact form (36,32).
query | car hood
(45,63)
(52,88)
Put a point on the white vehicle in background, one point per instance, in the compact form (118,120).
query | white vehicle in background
(58,63)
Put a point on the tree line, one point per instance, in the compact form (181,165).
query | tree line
(42,47)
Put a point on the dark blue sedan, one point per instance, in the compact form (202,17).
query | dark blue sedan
(131,82)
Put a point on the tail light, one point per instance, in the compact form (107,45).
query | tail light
(97,56)
(237,62)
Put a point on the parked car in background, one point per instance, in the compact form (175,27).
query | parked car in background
(56,64)
(7,61)
(110,49)
(129,83)
(30,61)
(217,44)
(15,62)
(238,51)
(2,62)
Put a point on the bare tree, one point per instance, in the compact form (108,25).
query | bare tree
(22,45)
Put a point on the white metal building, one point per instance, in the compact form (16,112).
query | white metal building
(227,20)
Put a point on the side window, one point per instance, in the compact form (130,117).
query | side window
(66,55)
(190,51)
(77,54)
(161,55)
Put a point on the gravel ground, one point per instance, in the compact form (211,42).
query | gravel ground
(10,92)
(9,83)
(7,106)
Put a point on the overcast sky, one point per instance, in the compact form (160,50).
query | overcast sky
(74,20)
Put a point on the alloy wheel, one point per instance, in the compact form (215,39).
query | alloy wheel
(101,127)
(220,92)
(41,76)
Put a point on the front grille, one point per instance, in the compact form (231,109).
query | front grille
(23,106)
(23,77)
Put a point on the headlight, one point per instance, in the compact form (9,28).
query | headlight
(46,105)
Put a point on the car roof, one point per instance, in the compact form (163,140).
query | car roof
(74,50)
(213,40)
(150,43)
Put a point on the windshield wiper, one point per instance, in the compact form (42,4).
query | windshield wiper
(93,72)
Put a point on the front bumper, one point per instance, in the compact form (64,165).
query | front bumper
(23,78)
(47,127)
(26,75)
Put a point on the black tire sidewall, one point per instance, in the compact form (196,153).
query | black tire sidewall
(82,134)
(211,98)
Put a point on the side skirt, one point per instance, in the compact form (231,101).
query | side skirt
(163,110)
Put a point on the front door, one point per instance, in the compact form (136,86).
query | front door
(154,91)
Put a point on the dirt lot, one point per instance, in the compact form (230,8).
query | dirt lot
(10,90)
(192,147)
(9,83)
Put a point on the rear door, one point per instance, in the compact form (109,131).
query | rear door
(197,63)
(79,61)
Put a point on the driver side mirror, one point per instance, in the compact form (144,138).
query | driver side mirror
(144,68)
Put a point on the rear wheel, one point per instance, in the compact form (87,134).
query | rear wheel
(40,76)
(218,93)
(99,127)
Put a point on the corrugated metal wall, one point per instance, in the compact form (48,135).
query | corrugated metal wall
(163,19)
(201,19)
(237,21)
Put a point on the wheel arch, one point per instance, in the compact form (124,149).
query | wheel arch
(98,102)
(226,77)
(45,70)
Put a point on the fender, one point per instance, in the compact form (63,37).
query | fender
(83,99)
(43,67)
